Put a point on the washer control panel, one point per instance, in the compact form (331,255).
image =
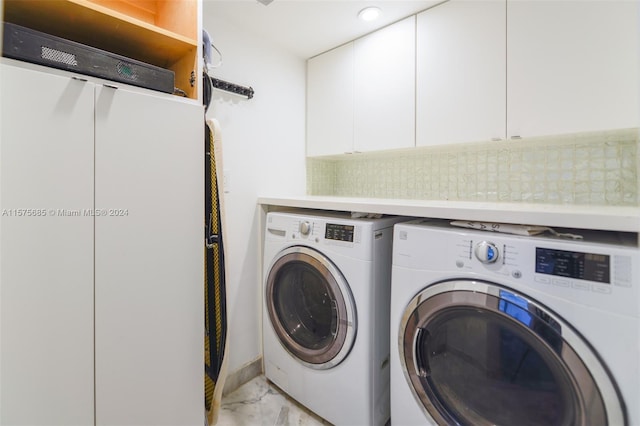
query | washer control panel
(339,232)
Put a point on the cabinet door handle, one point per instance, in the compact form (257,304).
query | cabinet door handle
(111,86)
(516,137)
(79,78)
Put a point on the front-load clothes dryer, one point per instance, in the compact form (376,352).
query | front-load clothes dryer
(498,329)
(326,313)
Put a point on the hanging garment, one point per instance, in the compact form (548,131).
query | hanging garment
(215,339)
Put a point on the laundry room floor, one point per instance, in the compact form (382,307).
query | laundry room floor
(259,402)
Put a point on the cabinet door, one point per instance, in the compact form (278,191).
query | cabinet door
(461,75)
(46,253)
(330,102)
(385,88)
(148,259)
(572,66)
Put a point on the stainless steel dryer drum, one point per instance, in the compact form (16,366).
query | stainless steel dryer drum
(326,308)
(546,333)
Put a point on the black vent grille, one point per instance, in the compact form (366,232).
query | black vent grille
(58,56)
(127,71)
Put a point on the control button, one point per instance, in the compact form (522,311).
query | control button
(459,263)
(516,274)
(561,282)
(621,283)
(622,271)
(601,289)
(486,252)
(543,280)
(581,286)
(305,228)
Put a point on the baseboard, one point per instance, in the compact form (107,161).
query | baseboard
(242,375)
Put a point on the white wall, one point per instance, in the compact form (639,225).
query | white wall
(264,154)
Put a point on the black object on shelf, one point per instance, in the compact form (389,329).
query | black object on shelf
(231,87)
(26,44)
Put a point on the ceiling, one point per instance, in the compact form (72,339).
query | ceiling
(309,27)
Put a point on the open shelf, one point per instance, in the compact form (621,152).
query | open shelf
(159,32)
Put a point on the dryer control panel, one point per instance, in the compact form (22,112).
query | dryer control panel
(595,271)
(574,264)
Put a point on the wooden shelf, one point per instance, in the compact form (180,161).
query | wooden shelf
(160,32)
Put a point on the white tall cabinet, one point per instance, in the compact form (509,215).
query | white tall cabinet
(572,66)
(461,72)
(101,276)
(46,257)
(148,259)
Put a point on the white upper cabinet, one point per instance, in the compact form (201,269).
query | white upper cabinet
(361,96)
(330,102)
(384,115)
(460,90)
(479,70)
(572,66)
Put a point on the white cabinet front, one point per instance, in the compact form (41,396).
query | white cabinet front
(384,115)
(148,261)
(330,102)
(101,265)
(572,66)
(361,96)
(46,249)
(461,73)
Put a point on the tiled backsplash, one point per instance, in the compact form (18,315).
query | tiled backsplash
(597,168)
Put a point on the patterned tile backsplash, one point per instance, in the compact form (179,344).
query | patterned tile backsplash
(596,168)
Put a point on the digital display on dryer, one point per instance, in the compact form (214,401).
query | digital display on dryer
(573,264)
(339,232)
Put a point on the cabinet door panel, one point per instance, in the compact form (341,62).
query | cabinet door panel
(330,102)
(461,72)
(385,88)
(149,260)
(46,254)
(572,66)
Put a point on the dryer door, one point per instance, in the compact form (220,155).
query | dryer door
(310,307)
(475,353)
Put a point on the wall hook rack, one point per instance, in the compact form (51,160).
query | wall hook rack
(231,87)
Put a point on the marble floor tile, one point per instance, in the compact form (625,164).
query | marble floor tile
(260,403)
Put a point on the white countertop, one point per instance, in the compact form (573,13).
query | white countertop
(609,218)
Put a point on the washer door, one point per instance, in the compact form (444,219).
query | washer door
(475,353)
(310,307)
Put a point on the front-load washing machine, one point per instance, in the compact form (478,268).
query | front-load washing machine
(326,313)
(497,329)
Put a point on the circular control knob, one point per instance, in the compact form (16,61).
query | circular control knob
(486,252)
(305,228)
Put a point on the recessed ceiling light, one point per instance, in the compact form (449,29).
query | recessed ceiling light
(369,13)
